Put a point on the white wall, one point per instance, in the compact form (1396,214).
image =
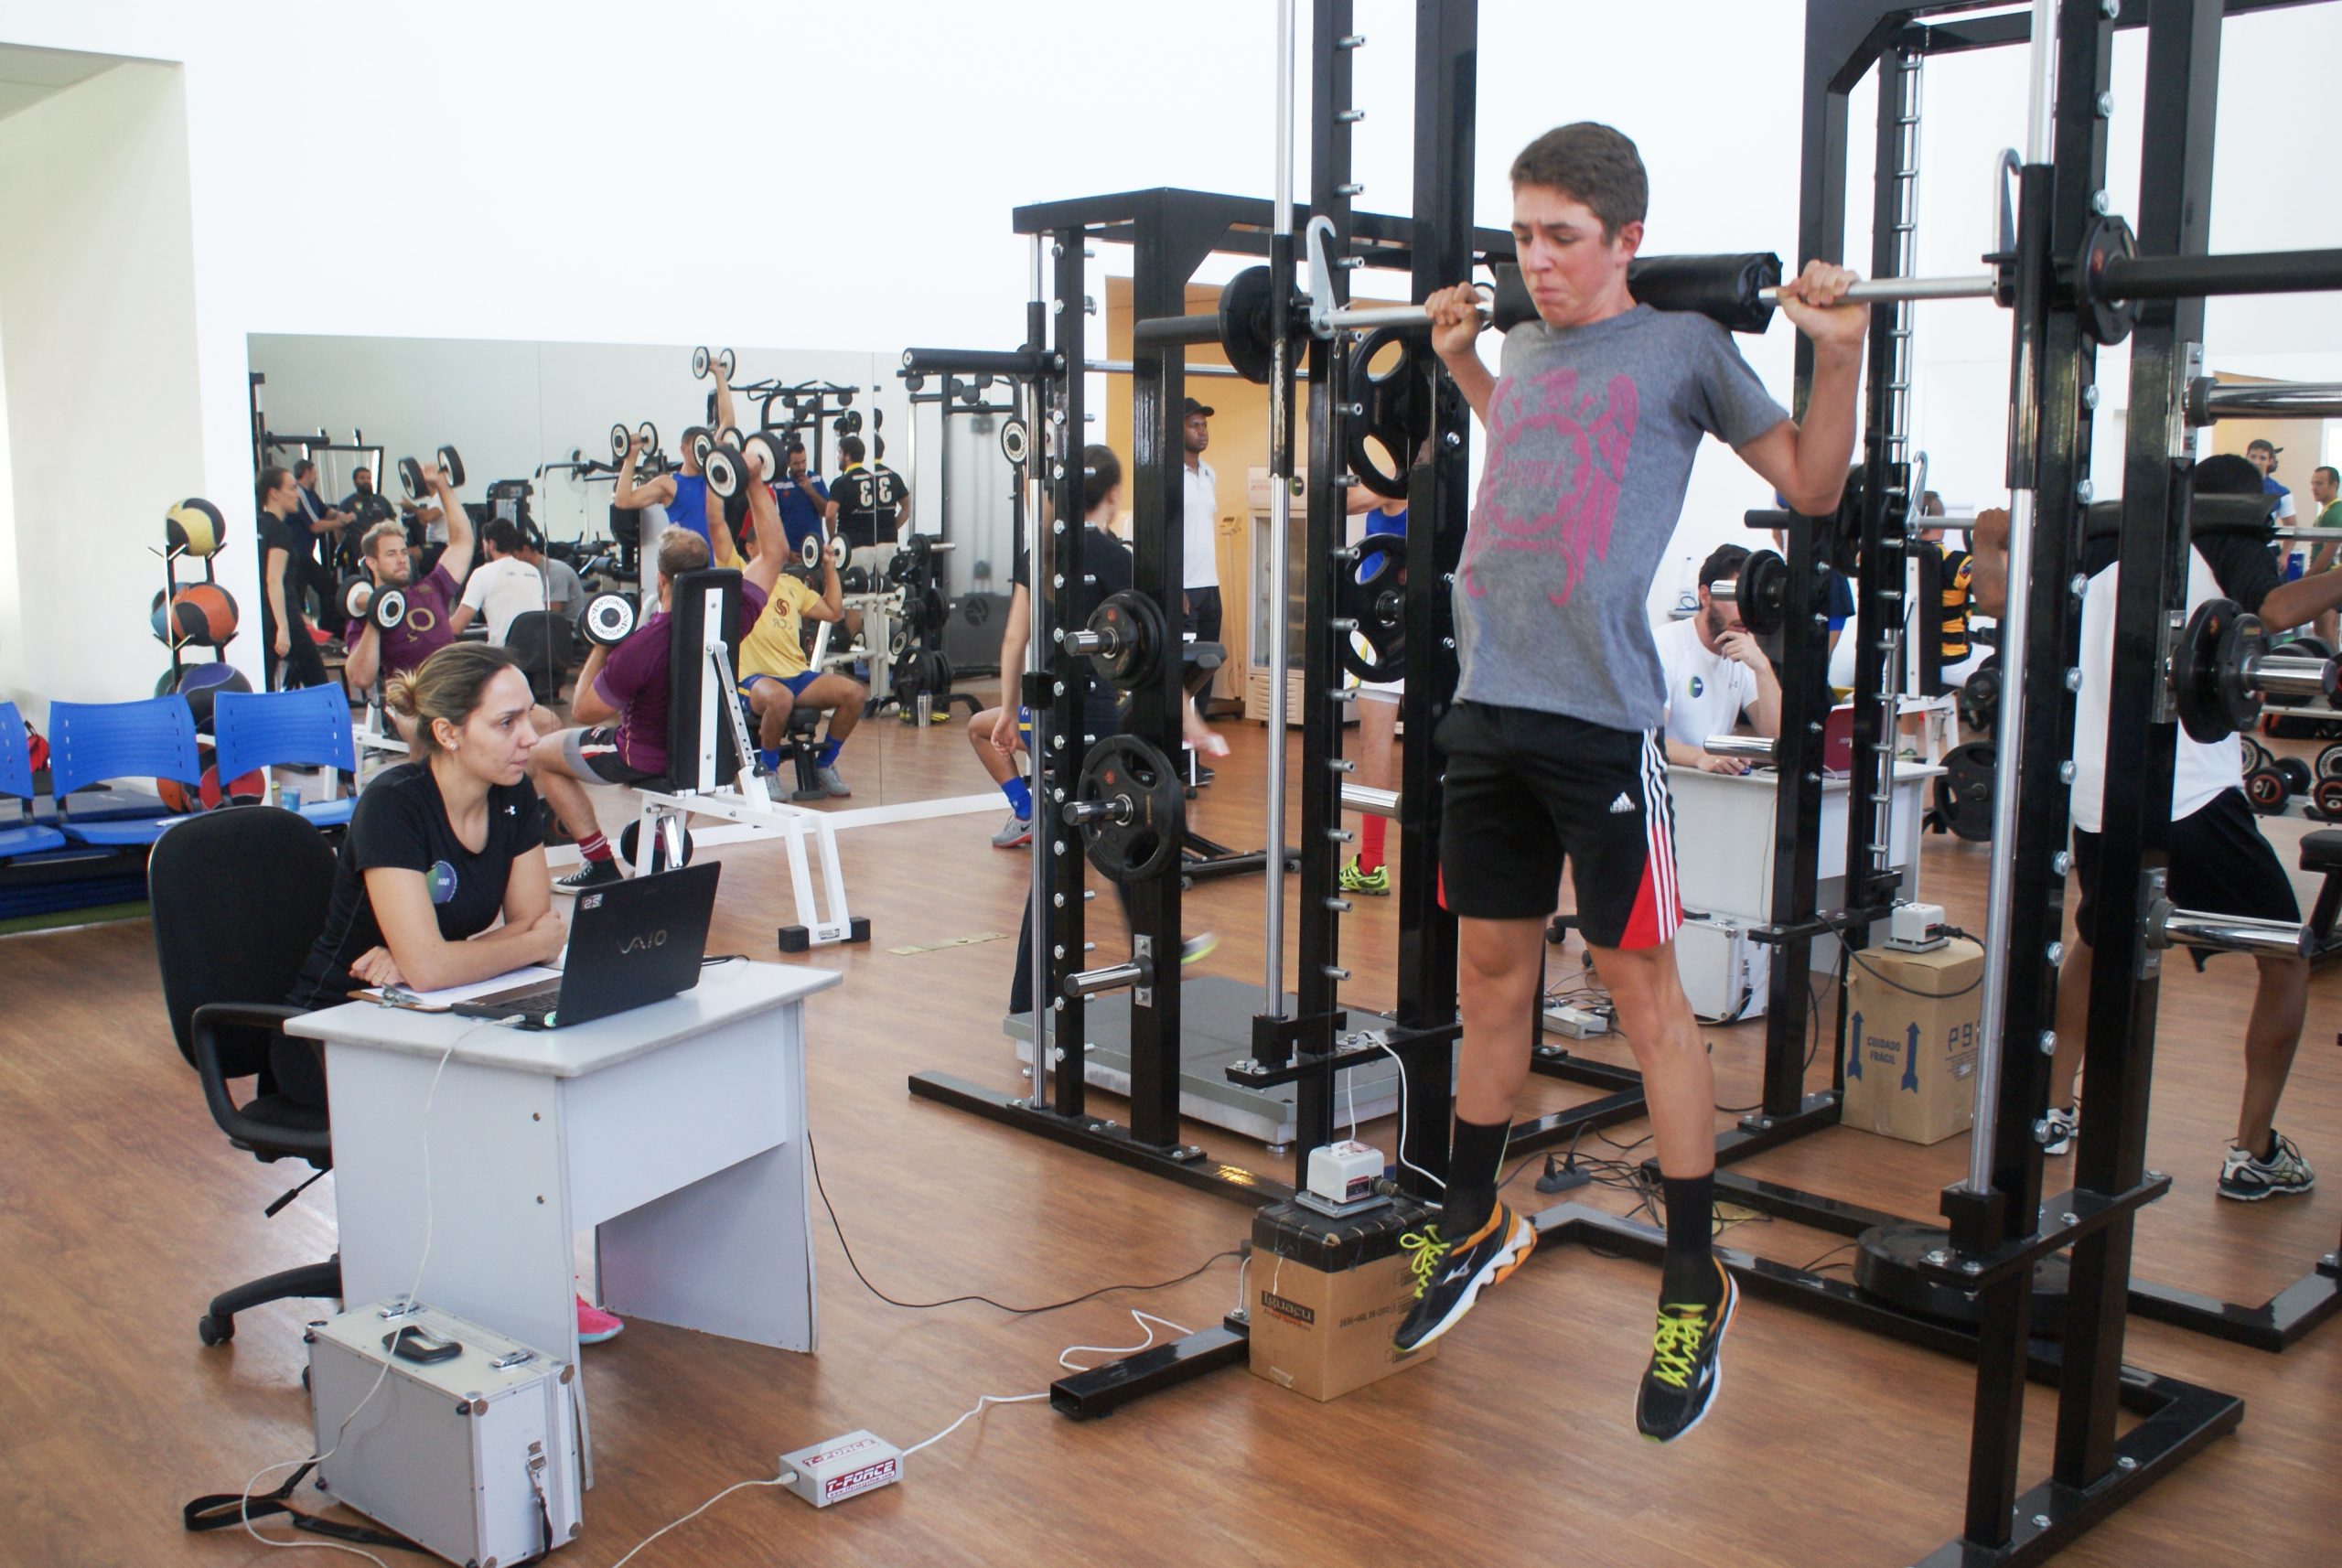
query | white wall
(530,137)
(97,301)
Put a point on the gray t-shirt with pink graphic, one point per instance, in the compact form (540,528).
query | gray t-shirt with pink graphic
(1591,434)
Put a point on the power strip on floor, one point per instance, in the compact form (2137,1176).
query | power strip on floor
(1578,1023)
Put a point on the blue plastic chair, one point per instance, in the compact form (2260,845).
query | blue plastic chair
(27,837)
(91,743)
(307,727)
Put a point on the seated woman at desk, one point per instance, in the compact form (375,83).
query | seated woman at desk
(442,878)
(1715,674)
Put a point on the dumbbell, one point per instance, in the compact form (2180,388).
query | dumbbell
(766,448)
(609,619)
(356,593)
(698,442)
(2267,790)
(2296,774)
(2325,798)
(810,550)
(411,474)
(702,359)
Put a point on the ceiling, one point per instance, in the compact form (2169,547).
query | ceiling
(29,75)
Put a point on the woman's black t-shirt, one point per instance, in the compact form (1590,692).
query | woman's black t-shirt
(401,821)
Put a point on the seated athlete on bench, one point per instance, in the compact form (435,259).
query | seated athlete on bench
(621,707)
(775,675)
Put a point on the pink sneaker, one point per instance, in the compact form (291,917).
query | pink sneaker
(593,1325)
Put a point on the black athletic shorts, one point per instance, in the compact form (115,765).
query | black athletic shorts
(1525,791)
(594,754)
(2220,863)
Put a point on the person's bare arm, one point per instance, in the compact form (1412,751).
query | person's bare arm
(1765,713)
(273,568)
(588,706)
(631,497)
(1807,462)
(528,888)
(725,417)
(769,543)
(832,605)
(457,559)
(1016,633)
(429,961)
(461,617)
(2301,601)
(1988,568)
(1455,326)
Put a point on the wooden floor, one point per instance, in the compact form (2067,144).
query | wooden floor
(122,1209)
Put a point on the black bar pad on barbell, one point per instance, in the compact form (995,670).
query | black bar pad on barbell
(1722,288)
(2205,514)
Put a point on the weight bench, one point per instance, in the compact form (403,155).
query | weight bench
(2322,853)
(712,761)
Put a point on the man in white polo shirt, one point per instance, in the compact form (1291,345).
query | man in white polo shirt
(503,587)
(1201,511)
(1714,673)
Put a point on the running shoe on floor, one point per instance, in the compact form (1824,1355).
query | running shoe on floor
(1015,833)
(589,874)
(2249,1179)
(1686,1365)
(594,1325)
(832,782)
(1449,1276)
(2062,1124)
(1375,883)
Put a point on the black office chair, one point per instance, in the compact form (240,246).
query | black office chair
(239,897)
(543,645)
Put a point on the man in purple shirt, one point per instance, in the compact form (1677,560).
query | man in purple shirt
(622,708)
(426,628)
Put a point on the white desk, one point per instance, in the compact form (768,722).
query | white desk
(1724,841)
(675,1131)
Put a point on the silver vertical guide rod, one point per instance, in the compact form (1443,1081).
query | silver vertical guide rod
(1280,526)
(1042,558)
(2008,738)
(1906,85)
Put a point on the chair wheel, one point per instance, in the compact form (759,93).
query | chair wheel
(215,1330)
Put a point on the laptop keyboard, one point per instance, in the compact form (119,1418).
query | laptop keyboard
(536,999)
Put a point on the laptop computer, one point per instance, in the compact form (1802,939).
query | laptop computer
(631,944)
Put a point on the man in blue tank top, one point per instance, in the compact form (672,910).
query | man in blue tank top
(683,493)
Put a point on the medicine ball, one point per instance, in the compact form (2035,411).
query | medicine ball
(205,614)
(198,684)
(194,527)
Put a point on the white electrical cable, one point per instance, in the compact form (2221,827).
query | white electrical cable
(980,1405)
(1143,1319)
(1409,1164)
(244,1505)
(782,1479)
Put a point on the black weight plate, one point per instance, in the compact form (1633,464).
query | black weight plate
(699,364)
(620,438)
(355,593)
(631,835)
(1135,628)
(1372,596)
(388,611)
(766,454)
(1247,325)
(1382,423)
(2329,761)
(1763,594)
(1964,793)
(649,434)
(698,442)
(410,478)
(2325,798)
(1146,841)
(1980,698)
(2265,788)
(453,461)
(731,363)
(2255,756)
(1012,440)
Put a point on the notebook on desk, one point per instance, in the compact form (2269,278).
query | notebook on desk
(631,944)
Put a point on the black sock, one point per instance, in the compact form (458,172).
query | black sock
(1690,1273)
(1472,1161)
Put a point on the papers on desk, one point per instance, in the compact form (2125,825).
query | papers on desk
(438,1001)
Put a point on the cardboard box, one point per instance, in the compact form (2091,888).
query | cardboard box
(1911,1041)
(1327,1296)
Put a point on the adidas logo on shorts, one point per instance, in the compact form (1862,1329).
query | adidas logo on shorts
(1622,807)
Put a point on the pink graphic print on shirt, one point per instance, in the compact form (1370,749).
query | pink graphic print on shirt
(1556,463)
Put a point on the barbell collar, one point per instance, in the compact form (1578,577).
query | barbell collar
(2291,675)
(1755,748)
(1082,644)
(982,361)
(1174,331)
(1116,809)
(1725,593)
(2167,925)
(1113,977)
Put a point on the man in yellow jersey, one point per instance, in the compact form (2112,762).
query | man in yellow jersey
(775,674)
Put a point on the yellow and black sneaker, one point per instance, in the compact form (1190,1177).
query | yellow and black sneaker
(1375,883)
(1449,1276)
(1685,1366)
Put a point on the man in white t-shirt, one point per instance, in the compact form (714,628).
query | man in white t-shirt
(2219,861)
(1714,673)
(564,594)
(503,587)
(1200,508)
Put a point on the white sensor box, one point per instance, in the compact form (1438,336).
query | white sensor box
(844,1467)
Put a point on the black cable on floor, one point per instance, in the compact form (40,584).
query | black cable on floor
(956,1300)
